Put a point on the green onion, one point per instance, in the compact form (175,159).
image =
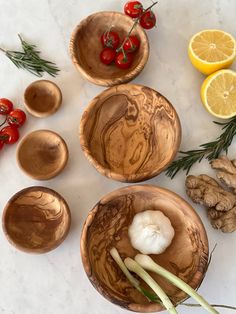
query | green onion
(134,282)
(147,263)
(137,269)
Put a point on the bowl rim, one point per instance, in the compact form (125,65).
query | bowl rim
(53,109)
(20,193)
(106,171)
(106,81)
(49,175)
(148,308)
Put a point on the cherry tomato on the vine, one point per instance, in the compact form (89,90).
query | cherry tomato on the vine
(148,20)
(107,56)
(16,117)
(6,106)
(124,61)
(131,44)
(9,134)
(110,39)
(133,9)
(1,144)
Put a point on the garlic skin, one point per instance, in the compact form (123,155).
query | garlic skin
(151,232)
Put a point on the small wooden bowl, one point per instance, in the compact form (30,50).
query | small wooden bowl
(85,48)
(42,154)
(42,98)
(36,220)
(130,133)
(107,226)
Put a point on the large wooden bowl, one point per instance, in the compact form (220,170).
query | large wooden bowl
(107,226)
(36,220)
(85,48)
(42,154)
(130,133)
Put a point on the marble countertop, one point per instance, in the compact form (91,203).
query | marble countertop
(55,283)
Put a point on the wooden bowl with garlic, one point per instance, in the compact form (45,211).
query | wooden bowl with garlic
(85,48)
(171,227)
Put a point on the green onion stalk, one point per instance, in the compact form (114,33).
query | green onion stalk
(134,282)
(137,269)
(147,263)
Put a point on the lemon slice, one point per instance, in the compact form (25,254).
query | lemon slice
(212,50)
(218,93)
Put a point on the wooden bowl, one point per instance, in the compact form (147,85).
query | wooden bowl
(42,98)
(42,154)
(85,48)
(107,226)
(130,133)
(36,220)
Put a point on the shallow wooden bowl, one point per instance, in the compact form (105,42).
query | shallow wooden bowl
(42,98)
(107,226)
(130,133)
(36,220)
(42,154)
(85,48)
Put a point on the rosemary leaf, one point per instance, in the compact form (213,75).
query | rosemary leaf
(210,150)
(30,60)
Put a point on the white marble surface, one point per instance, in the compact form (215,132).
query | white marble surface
(55,283)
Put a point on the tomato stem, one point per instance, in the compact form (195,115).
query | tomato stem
(3,122)
(136,21)
(4,137)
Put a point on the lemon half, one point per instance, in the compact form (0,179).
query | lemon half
(218,93)
(212,50)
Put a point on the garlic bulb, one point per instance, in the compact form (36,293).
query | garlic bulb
(151,232)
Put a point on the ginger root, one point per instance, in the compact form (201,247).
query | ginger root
(220,203)
(227,173)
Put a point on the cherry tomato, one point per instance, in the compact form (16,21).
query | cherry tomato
(9,134)
(133,9)
(107,56)
(131,44)
(16,117)
(1,144)
(148,20)
(110,39)
(124,61)
(6,106)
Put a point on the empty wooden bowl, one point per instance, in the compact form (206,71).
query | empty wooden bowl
(42,154)
(36,220)
(130,133)
(42,98)
(85,48)
(107,226)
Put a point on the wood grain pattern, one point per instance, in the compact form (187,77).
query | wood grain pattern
(42,154)
(107,226)
(36,220)
(85,48)
(42,98)
(130,133)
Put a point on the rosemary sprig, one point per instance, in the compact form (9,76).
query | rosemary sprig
(210,150)
(30,60)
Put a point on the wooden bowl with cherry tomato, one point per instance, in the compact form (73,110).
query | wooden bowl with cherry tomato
(96,51)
